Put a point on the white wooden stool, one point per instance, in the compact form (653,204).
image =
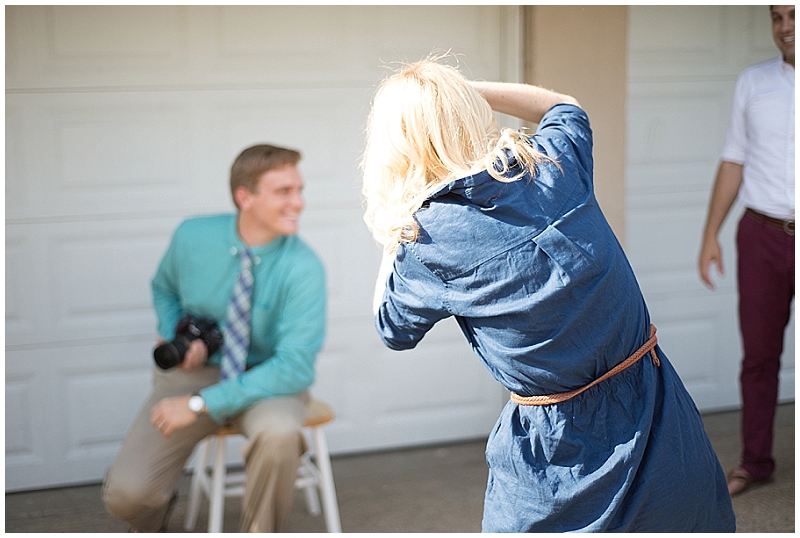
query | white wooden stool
(314,474)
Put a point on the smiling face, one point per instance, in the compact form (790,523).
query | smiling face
(783,31)
(273,209)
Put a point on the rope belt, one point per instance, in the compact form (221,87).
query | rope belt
(548,399)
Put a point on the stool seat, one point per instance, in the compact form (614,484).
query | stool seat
(317,414)
(314,475)
(226,430)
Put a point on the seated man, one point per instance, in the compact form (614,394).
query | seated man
(265,289)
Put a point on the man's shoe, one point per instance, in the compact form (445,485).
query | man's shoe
(739,480)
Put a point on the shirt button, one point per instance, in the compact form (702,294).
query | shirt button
(234,251)
(256,259)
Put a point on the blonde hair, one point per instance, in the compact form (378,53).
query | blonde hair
(429,126)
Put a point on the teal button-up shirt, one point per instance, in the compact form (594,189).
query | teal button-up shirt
(197,275)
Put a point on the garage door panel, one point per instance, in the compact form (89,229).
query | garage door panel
(109,146)
(325,125)
(31,433)
(696,335)
(664,238)
(294,32)
(351,260)
(757,42)
(95,427)
(420,380)
(85,46)
(68,408)
(180,46)
(419,389)
(346,379)
(712,41)
(14,161)
(101,280)
(698,38)
(81,34)
(108,154)
(699,334)
(650,180)
(82,281)
(689,337)
(664,241)
(406,34)
(677,123)
(21,428)
(26,311)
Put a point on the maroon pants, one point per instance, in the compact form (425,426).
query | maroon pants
(766,291)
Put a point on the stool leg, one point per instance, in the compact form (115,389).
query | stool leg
(217,503)
(308,476)
(195,492)
(329,502)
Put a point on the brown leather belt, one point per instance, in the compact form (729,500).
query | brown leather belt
(785,225)
(548,399)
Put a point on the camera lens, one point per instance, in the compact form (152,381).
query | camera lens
(171,353)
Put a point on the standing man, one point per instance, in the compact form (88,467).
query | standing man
(757,165)
(265,289)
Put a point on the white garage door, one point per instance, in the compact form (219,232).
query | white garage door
(120,121)
(683,64)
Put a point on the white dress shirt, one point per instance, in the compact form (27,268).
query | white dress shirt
(761,137)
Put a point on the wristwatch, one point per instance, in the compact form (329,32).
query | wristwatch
(196,404)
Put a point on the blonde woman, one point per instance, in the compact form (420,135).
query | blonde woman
(503,232)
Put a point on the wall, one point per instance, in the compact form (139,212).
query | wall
(582,51)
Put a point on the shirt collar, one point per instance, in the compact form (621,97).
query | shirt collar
(236,245)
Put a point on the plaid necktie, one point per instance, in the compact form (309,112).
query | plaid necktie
(237,329)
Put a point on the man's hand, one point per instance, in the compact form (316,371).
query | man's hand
(171,414)
(196,356)
(710,252)
(726,189)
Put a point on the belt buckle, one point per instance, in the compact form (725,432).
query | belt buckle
(788,227)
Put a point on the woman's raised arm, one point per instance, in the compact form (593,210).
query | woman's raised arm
(522,101)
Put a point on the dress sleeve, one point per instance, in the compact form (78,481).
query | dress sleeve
(565,129)
(414,300)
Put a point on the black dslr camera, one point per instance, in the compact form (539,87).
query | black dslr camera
(189,328)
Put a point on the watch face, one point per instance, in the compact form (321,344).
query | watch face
(196,404)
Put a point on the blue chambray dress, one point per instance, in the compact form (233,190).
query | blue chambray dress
(544,293)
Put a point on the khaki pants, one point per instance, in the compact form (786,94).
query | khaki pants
(140,484)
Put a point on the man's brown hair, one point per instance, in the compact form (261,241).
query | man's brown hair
(253,162)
